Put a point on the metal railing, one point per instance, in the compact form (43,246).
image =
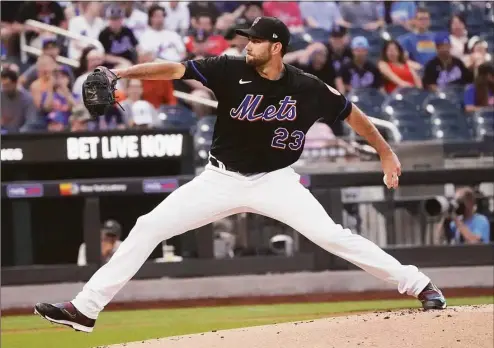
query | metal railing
(181,95)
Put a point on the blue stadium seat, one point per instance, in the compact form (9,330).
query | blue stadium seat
(367,99)
(450,125)
(203,138)
(435,103)
(413,130)
(298,42)
(483,123)
(453,93)
(411,94)
(392,106)
(176,117)
(318,34)
(396,30)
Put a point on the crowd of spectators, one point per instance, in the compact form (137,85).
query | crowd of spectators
(333,40)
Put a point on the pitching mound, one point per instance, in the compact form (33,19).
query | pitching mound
(468,326)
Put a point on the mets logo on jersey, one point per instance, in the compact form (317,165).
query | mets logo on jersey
(247,110)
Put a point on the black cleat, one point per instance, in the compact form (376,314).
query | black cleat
(432,298)
(65,314)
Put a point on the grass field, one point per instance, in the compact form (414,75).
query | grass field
(125,326)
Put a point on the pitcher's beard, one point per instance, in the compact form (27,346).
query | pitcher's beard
(256,61)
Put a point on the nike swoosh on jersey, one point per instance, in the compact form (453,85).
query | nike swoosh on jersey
(243,82)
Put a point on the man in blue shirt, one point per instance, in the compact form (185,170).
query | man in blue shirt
(469,227)
(420,45)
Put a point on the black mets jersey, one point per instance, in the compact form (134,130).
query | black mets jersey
(261,124)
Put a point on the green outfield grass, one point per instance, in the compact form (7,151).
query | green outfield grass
(124,326)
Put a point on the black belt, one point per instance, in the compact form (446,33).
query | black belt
(216,163)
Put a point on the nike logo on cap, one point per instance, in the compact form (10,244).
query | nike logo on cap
(243,82)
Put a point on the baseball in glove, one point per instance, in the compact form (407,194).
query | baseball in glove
(98,91)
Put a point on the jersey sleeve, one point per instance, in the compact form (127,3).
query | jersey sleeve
(208,71)
(333,105)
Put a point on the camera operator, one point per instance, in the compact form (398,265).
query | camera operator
(465,225)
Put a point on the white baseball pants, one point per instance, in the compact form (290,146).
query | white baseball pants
(217,193)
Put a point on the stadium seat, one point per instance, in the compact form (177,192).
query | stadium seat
(318,34)
(395,30)
(453,93)
(367,99)
(392,106)
(413,130)
(483,123)
(450,125)
(438,103)
(298,42)
(411,94)
(176,117)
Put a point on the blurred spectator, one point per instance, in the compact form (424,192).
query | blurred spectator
(90,59)
(401,12)
(118,40)
(458,36)
(253,9)
(134,94)
(46,66)
(89,24)
(50,48)
(480,94)
(56,121)
(466,226)
(340,52)
(363,14)
(135,19)
(477,53)
(236,43)
(360,72)
(157,92)
(209,43)
(445,69)
(315,60)
(111,232)
(48,12)
(420,44)
(79,119)
(286,11)
(178,16)
(59,97)
(142,115)
(204,7)
(164,43)
(317,14)
(17,106)
(395,69)
(72,9)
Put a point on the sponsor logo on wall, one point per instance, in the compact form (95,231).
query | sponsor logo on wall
(72,189)
(24,190)
(159,185)
(14,154)
(124,146)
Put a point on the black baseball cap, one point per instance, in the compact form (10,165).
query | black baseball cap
(267,28)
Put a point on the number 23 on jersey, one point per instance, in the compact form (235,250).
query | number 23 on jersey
(283,138)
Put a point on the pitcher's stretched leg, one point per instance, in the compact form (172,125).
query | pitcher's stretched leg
(205,199)
(283,198)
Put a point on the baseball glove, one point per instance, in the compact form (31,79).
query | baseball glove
(98,91)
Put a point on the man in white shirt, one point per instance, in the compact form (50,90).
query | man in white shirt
(88,24)
(178,16)
(167,44)
(135,19)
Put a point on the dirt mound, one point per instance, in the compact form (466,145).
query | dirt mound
(455,327)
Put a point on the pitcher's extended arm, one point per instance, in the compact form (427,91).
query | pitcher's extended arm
(152,71)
